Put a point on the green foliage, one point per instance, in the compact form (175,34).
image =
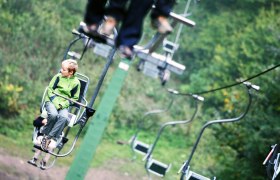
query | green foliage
(9,98)
(232,40)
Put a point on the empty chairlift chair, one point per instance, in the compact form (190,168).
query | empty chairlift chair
(135,144)
(185,167)
(138,146)
(154,166)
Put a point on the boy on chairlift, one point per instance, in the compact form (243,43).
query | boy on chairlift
(63,85)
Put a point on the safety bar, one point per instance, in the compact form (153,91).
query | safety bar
(69,99)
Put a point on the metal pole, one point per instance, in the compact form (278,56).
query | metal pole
(98,124)
(102,76)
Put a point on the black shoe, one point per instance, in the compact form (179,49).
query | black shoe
(91,31)
(43,165)
(33,162)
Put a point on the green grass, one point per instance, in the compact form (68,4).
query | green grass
(108,152)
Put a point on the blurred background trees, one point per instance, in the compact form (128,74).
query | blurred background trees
(232,40)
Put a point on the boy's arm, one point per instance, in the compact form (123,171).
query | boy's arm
(51,87)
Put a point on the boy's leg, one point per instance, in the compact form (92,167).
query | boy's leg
(34,159)
(37,153)
(52,118)
(50,149)
(61,122)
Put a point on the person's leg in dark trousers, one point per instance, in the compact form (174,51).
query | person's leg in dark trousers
(115,12)
(162,8)
(160,14)
(131,29)
(95,10)
(117,9)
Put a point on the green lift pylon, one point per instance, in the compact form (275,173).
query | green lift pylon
(98,124)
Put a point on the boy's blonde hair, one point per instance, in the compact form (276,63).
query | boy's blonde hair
(72,65)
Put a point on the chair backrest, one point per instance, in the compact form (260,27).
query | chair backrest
(84,81)
(83,89)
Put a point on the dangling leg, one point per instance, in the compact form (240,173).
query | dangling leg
(33,161)
(131,30)
(95,10)
(37,153)
(46,158)
(160,14)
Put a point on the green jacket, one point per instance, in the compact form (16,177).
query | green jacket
(68,87)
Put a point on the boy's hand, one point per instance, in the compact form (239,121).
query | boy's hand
(45,121)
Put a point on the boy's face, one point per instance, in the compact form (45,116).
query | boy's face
(64,70)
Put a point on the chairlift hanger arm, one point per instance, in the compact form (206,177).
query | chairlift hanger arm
(249,93)
(149,154)
(157,111)
(71,44)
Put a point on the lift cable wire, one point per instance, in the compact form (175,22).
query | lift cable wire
(231,85)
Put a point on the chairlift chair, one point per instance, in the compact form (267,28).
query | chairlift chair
(75,113)
(195,176)
(156,167)
(138,146)
(191,175)
(249,87)
(272,162)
